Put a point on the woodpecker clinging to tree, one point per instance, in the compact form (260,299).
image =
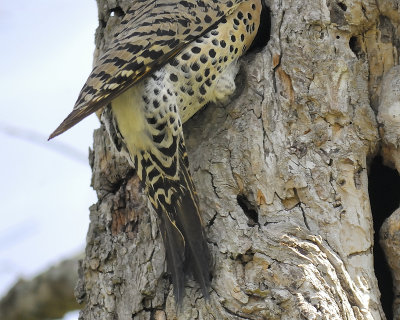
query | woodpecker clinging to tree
(169,59)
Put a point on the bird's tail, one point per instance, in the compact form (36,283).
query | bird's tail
(176,203)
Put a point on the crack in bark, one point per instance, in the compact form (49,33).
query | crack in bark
(213,183)
(360,253)
(304,215)
(233,313)
(211,221)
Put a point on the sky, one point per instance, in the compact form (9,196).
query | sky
(46,56)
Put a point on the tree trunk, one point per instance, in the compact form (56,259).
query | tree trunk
(281,173)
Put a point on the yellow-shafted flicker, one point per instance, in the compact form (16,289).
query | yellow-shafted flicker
(168,59)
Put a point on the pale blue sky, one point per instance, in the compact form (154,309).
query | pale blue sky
(46,55)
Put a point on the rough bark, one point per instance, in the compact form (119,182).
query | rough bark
(281,173)
(47,296)
(390,241)
(389,119)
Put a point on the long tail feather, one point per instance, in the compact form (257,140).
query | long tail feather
(174,251)
(196,255)
(182,229)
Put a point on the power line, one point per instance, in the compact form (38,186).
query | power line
(41,140)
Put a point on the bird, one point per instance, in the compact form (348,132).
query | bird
(167,60)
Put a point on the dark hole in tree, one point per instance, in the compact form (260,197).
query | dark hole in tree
(245,258)
(342,6)
(384,194)
(355,46)
(117,11)
(264,30)
(248,209)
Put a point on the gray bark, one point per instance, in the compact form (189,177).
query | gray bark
(390,241)
(389,120)
(281,172)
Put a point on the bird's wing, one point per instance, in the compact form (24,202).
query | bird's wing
(150,34)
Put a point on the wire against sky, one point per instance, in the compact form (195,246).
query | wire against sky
(41,140)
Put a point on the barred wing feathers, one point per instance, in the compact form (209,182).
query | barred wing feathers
(151,33)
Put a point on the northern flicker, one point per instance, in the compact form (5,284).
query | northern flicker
(169,59)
